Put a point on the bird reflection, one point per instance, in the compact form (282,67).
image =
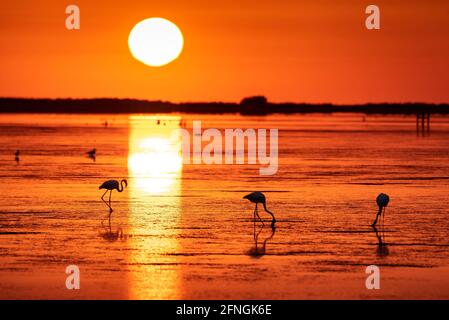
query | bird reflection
(259,249)
(112,236)
(382,247)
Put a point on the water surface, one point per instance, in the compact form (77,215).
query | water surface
(184,232)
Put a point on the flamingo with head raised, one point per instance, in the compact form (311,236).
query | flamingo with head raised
(109,186)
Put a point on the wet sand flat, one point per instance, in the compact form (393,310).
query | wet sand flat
(184,232)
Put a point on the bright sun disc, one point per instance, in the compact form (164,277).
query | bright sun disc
(155,41)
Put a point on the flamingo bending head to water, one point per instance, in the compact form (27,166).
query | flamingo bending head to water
(258,197)
(382,201)
(109,186)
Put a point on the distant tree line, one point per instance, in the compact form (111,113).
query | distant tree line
(256,105)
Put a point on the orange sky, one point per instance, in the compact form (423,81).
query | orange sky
(311,51)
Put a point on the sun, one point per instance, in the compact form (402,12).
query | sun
(155,41)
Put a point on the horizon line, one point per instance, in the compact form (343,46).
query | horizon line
(226,102)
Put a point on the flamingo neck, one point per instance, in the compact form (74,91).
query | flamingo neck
(120,188)
(266,209)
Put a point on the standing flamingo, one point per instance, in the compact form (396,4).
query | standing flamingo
(109,186)
(382,201)
(258,197)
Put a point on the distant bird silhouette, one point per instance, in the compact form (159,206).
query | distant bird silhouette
(17,156)
(258,197)
(109,186)
(92,153)
(382,201)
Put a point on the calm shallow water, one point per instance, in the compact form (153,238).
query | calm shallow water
(184,231)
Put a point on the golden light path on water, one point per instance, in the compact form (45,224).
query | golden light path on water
(154,168)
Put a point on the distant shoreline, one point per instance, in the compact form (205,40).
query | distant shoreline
(249,106)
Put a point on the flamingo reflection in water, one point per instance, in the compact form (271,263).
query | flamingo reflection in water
(258,251)
(382,247)
(112,236)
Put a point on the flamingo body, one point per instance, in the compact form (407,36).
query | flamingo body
(114,184)
(258,197)
(92,152)
(382,201)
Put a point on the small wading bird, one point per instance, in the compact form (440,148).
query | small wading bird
(258,197)
(109,186)
(382,201)
(17,156)
(92,153)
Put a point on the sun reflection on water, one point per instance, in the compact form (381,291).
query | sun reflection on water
(155,168)
(155,162)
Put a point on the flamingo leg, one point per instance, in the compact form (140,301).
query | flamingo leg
(102,198)
(375,221)
(379,213)
(257,213)
(254,227)
(110,195)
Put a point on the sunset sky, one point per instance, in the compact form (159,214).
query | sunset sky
(301,51)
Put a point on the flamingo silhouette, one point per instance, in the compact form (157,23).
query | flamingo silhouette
(382,201)
(109,186)
(258,197)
